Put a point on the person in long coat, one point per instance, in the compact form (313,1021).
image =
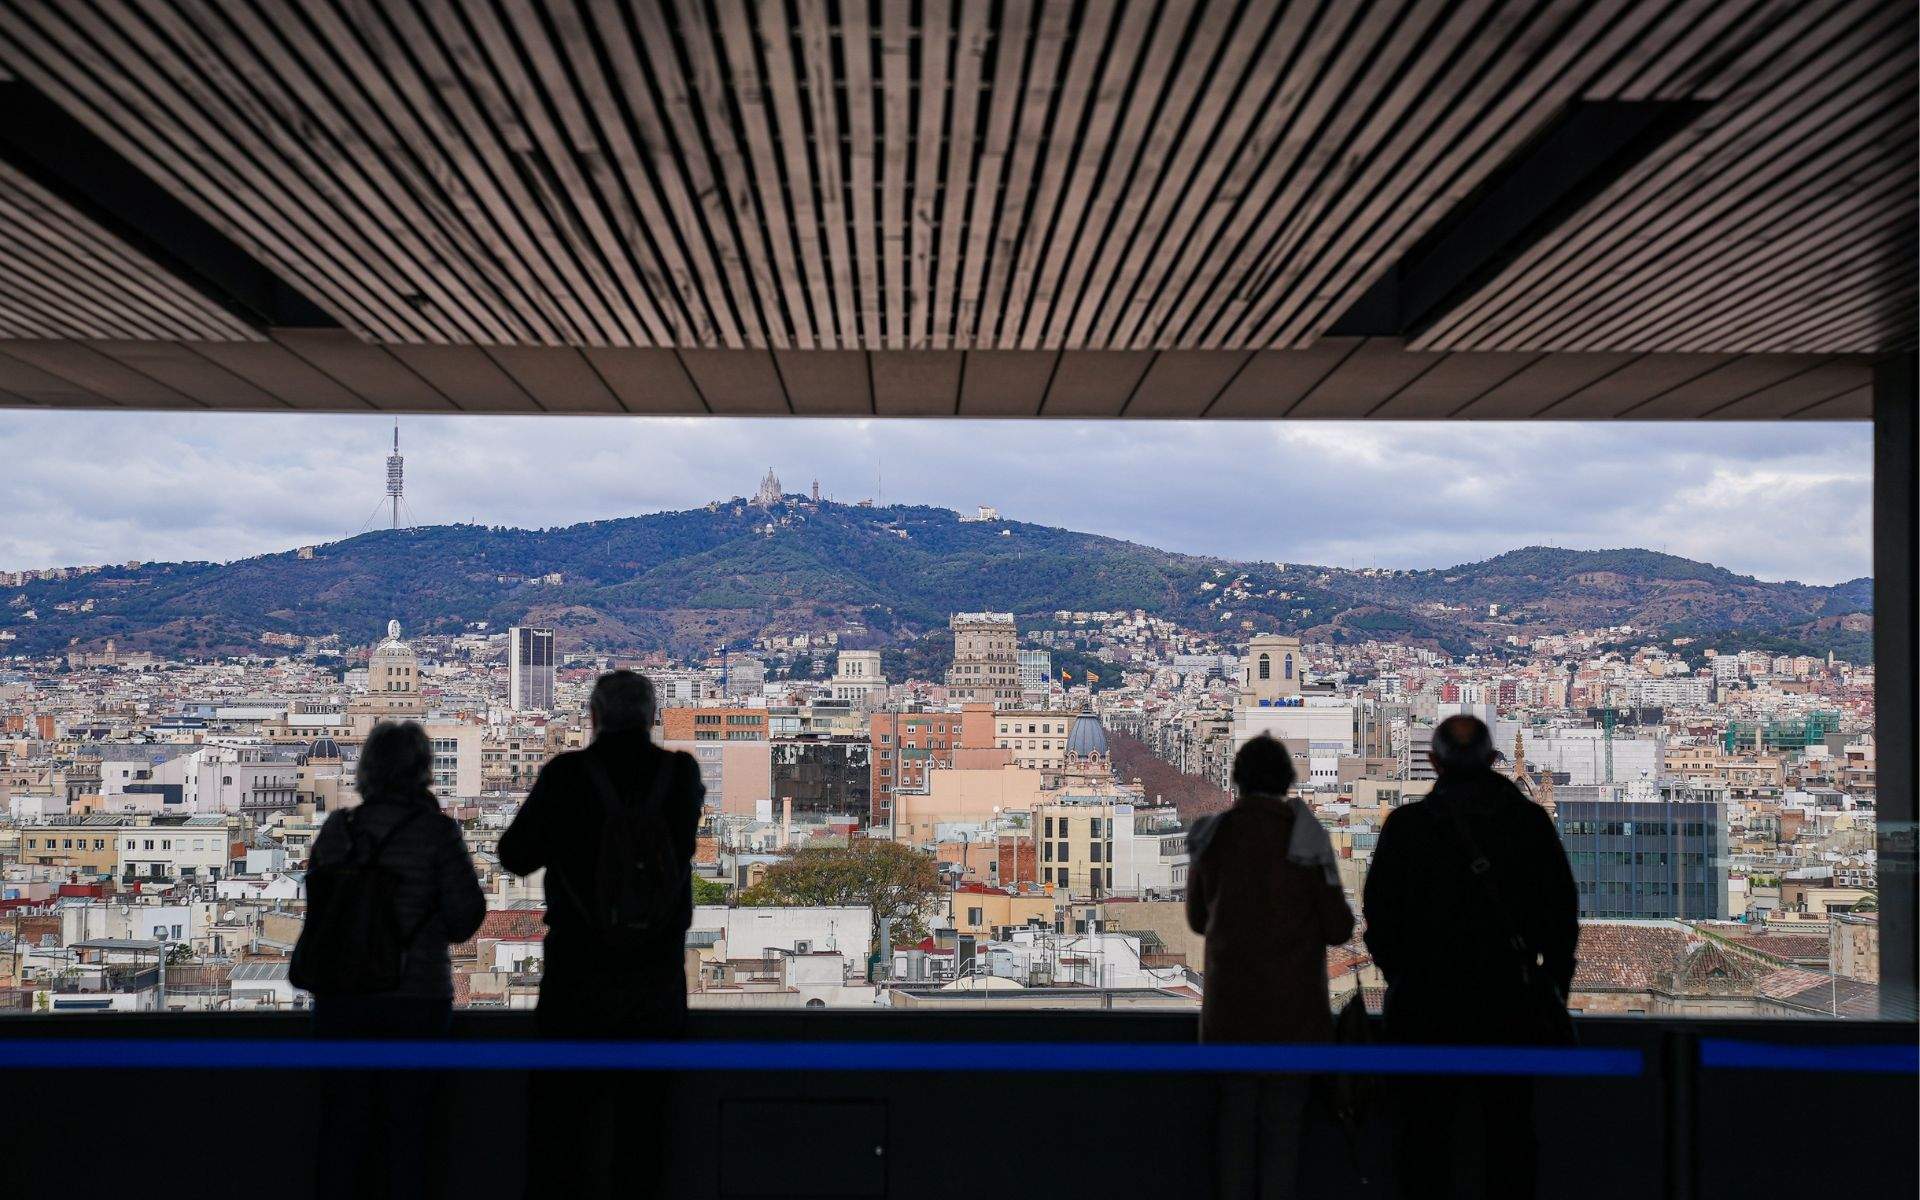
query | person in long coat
(1264,891)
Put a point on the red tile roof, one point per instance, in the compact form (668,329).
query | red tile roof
(1629,957)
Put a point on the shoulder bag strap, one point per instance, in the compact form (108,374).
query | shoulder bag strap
(1482,870)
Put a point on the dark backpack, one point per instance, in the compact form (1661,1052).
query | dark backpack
(639,878)
(352,943)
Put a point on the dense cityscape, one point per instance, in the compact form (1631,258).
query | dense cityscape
(1008,829)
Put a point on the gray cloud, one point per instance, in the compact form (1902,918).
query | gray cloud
(1774,500)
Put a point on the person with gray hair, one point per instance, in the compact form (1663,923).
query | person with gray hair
(1473,917)
(414,889)
(613,827)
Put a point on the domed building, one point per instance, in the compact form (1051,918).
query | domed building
(393,685)
(1088,738)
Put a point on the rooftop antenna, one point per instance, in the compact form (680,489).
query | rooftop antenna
(396,474)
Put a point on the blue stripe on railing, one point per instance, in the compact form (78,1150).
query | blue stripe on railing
(1734,1054)
(299,1054)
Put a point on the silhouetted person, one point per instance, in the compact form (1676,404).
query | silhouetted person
(1444,935)
(383,1133)
(613,826)
(1264,890)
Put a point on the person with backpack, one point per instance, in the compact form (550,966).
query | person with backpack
(1263,888)
(613,827)
(1473,917)
(389,886)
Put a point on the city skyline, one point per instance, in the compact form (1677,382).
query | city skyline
(1776,502)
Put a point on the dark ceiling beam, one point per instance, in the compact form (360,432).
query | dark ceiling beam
(41,141)
(1588,146)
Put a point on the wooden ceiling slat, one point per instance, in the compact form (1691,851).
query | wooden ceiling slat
(1721,234)
(737,383)
(857,56)
(341,137)
(434,112)
(1353,132)
(1273,381)
(1099,273)
(1052,44)
(196,175)
(701,120)
(816,60)
(1005,383)
(85,282)
(223,102)
(896,113)
(642,283)
(653,203)
(1858,225)
(926,196)
(969,59)
(1569,279)
(1082,214)
(1804,305)
(779,91)
(1094,383)
(647,379)
(702,200)
(1009,61)
(557,378)
(826,383)
(916,383)
(1175,175)
(745,93)
(1182,383)
(1268,133)
(1503,96)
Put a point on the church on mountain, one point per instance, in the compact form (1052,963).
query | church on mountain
(769,493)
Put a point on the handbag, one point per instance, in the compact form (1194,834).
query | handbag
(1543,1004)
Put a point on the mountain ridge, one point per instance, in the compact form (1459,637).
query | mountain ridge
(686,579)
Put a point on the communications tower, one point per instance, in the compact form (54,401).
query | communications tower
(396,475)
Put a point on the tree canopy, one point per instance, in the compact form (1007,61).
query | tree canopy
(895,881)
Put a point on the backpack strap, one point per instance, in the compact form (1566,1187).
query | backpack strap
(610,803)
(610,795)
(379,844)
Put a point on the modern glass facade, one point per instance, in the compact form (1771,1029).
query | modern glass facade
(1662,858)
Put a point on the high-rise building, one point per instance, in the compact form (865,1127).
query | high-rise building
(530,669)
(986,663)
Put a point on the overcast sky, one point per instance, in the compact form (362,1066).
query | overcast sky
(1786,500)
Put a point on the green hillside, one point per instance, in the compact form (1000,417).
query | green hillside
(683,580)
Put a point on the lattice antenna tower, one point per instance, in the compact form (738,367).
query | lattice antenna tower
(396,475)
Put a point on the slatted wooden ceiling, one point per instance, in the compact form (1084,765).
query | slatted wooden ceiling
(1020,174)
(62,276)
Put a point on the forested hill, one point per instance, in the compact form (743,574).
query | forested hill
(686,580)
